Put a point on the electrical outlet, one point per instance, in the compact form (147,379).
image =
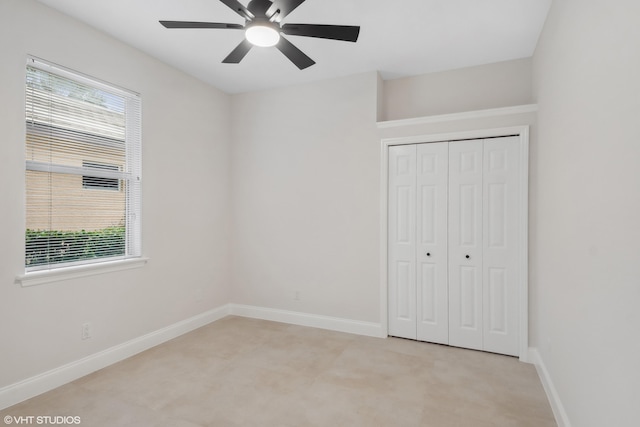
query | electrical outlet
(86,331)
(297,296)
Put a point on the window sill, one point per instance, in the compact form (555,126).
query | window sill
(42,277)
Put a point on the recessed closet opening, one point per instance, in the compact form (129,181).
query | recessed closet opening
(456,240)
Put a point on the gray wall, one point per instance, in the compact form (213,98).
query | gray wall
(496,85)
(586,70)
(305,190)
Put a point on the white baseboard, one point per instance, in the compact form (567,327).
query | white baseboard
(312,320)
(31,387)
(552,394)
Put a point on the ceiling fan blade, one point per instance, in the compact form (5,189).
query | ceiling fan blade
(294,54)
(284,6)
(238,53)
(239,9)
(335,32)
(187,24)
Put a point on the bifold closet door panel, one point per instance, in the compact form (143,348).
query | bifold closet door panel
(402,241)
(465,244)
(501,225)
(431,229)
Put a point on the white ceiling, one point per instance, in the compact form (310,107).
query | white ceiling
(398,38)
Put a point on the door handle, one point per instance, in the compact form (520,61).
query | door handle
(467,256)
(428,253)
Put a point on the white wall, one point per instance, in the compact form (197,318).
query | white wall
(185,201)
(301,181)
(305,190)
(502,84)
(586,70)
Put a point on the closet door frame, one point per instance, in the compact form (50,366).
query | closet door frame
(522,132)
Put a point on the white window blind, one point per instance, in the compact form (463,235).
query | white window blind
(83,169)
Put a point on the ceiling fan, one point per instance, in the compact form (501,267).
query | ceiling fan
(263,28)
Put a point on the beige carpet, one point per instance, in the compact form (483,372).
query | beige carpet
(245,372)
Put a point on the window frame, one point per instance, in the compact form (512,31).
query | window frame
(130,174)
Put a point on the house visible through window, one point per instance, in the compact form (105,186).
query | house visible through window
(83,169)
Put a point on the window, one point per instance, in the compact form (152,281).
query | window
(82,135)
(97,183)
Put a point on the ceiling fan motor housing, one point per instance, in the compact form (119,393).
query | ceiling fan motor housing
(259,7)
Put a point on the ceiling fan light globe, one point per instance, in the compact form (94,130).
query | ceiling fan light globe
(262,35)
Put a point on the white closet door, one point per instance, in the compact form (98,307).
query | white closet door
(402,241)
(465,244)
(431,226)
(501,242)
